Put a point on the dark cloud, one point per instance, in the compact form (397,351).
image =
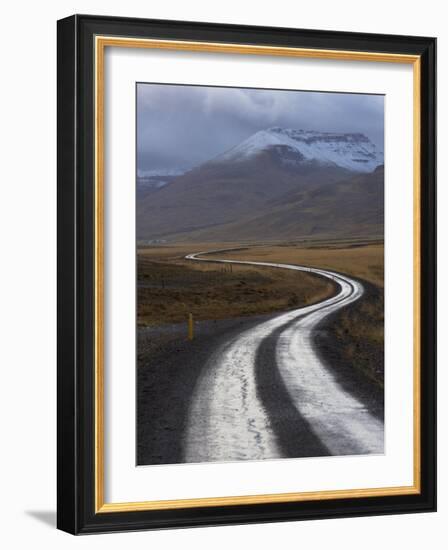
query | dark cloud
(182,126)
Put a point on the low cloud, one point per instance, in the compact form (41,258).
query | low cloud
(183,126)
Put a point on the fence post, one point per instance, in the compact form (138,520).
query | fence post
(190,326)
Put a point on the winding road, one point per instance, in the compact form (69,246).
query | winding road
(229,419)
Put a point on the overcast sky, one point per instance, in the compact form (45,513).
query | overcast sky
(183,126)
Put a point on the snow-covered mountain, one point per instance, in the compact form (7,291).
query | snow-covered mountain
(279,183)
(160,172)
(352,151)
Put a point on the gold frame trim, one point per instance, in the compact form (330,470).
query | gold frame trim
(101,42)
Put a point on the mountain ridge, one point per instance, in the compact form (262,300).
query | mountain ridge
(246,190)
(353,151)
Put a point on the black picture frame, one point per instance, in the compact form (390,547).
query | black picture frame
(76,286)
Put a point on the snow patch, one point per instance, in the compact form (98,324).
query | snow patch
(353,151)
(160,172)
(154,179)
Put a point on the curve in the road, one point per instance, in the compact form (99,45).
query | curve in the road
(227,418)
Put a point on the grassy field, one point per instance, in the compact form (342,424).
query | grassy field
(361,259)
(169,288)
(359,334)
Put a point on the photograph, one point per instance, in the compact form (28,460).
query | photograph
(246,273)
(259,274)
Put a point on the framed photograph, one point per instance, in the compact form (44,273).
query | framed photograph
(246,274)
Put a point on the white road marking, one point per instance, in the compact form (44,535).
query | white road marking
(227,420)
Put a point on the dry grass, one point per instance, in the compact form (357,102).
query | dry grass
(363,261)
(212,291)
(358,332)
(170,288)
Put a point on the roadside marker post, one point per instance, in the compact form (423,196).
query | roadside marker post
(190,326)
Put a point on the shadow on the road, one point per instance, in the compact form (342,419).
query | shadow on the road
(294,433)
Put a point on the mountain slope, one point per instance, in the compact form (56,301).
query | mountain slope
(148,181)
(217,193)
(347,208)
(265,184)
